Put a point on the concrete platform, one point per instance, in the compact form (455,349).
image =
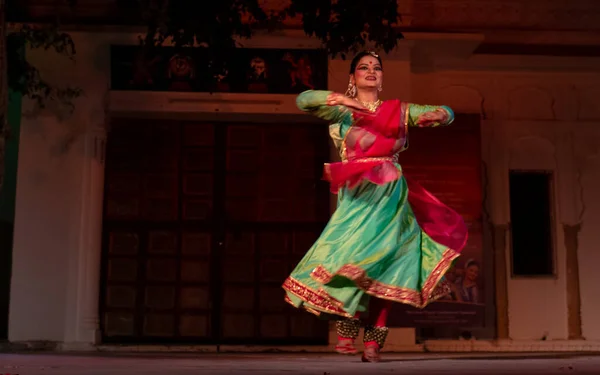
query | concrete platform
(294,364)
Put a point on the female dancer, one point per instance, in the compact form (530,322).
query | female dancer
(389,239)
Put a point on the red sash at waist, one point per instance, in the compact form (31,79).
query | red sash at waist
(378,170)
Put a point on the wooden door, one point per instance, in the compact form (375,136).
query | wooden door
(202,224)
(275,207)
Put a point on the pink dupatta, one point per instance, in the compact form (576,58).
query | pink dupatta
(369,152)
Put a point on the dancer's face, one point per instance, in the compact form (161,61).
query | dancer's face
(368,74)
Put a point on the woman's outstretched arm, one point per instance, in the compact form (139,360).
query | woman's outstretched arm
(327,105)
(429,115)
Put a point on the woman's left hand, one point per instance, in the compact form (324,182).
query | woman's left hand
(434,117)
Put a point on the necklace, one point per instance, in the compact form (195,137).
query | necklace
(370,106)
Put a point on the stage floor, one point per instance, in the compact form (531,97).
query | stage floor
(293,364)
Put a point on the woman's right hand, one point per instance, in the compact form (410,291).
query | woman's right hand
(340,99)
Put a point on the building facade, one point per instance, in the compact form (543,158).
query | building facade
(527,73)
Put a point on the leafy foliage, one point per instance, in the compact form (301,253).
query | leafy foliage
(349,25)
(342,25)
(214,25)
(25,78)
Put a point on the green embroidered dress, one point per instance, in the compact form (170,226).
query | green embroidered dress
(388,238)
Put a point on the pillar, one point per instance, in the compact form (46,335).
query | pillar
(82,322)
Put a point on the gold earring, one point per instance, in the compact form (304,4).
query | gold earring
(351,91)
(380,88)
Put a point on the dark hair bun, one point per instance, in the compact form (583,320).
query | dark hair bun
(359,56)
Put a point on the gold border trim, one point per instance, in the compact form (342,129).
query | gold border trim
(320,300)
(378,289)
(308,309)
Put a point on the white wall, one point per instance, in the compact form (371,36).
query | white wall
(59,196)
(45,226)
